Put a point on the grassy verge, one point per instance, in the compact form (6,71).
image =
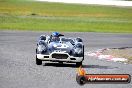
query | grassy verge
(46,16)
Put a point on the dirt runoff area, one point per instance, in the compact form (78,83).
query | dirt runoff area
(120,53)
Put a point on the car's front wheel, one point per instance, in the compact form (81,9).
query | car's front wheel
(38,62)
(78,64)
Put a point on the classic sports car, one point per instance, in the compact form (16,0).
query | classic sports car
(58,48)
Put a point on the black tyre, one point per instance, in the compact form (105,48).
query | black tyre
(78,64)
(83,52)
(81,80)
(36,50)
(79,40)
(38,62)
(43,37)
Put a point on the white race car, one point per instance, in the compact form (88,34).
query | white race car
(59,49)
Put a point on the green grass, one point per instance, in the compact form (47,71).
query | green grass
(44,16)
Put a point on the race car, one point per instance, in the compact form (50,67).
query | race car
(57,48)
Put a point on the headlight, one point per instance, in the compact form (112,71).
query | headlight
(78,45)
(78,51)
(42,48)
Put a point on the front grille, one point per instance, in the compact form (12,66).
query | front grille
(73,58)
(46,56)
(60,56)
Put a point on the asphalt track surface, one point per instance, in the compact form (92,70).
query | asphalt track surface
(18,68)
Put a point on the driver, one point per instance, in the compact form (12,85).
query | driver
(55,36)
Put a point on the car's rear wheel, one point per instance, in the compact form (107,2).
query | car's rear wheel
(78,64)
(38,62)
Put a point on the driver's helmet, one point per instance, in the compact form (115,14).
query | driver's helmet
(55,36)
